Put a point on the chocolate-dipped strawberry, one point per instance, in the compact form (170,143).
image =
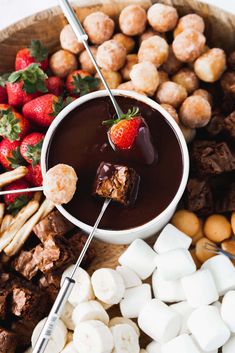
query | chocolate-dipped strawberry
(129,135)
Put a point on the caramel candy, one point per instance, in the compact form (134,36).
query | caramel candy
(187,222)
(217,228)
(201,252)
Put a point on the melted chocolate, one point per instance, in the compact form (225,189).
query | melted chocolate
(81,141)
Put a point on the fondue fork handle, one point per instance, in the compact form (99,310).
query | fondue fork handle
(8,192)
(82,36)
(64,292)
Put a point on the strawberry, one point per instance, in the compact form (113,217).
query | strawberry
(80,82)
(25,85)
(10,156)
(3,90)
(36,53)
(55,85)
(31,147)
(13,125)
(16,201)
(4,108)
(43,110)
(34,175)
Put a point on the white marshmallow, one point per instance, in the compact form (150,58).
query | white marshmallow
(228,310)
(130,278)
(200,288)
(153,347)
(208,329)
(167,291)
(217,304)
(229,347)
(134,299)
(140,257)
(201,351)
(159,321)
(175,264)
(180,344)
(171,238)
(223,271)
(185,310)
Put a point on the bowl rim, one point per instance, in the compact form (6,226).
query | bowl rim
(184,150)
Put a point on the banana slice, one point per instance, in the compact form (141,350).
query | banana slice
(143,351)
(69,348)
(91,310)
(108,285)
(57,340)
(66,316)
(154,347)
(123,320)
(93,337)
(105,305)
(125,339)
(130,278)
(82,290)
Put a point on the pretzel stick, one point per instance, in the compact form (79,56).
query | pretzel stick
(37,196)
(19,221)
(7,220)
(9,177)
(2,209)
(23,234)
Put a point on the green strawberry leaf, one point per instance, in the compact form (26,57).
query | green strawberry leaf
(10,126)
(60,105)
(33,79)
(34,152)
(18,203)
(16,160)
(131,113)
(84,85)
(37,51)
(4,79)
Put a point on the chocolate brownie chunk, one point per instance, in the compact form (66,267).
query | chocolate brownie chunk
(25,264)
(229,125)
(50,282)
(227,202)
(8,341)
(215,126)
(24,330)
(199,197)
(212,158)
(51,226)
(77,242)
(3,303)
(117,182)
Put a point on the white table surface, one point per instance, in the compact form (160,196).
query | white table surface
(14,10)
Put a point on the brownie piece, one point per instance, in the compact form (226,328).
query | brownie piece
(3,303)
(51,226)
(24,330)
(25,264)
(117,182)
(215,125)
(77,242)
(212,158)
(54,253)
(199,197)
(8,341)
(50,282)
(229,125)
(227,202)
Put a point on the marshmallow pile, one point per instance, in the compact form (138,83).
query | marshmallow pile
(185,310)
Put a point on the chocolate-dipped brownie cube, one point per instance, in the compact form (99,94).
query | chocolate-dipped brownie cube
(8,341)
(117,182)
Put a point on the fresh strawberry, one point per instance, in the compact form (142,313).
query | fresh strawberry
(3,90)
(16,201)
(10,156)
(36,53)
(44,109)
(80,82)
(25,85)
(4,108)
(34,175)
(31,147)
(13,125)
(55,85)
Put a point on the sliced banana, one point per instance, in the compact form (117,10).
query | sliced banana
(66,316)
(130,278)
(123,320)
(91,310)
(93,337)
(82,290)
(154,347)
(105,305)
(57,340)
(108,285)
(69,348)
(143,351)
(125,339)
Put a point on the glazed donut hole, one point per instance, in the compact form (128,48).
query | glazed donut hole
(144,77)
(199,234)
(204,94)
(69,41)
(162,18)
(195,259)
(111,55)
(188,79)
(99,27)
(192,21)
(195,112)
(189,134)
(163,76)
(132,20)
(171,93)
(126,41)
(172,65)
(188,45)
(128,86)
(113,78)
(172,111)
(201,249)
(150,33)
(62,63)
(210,66)
(154,49)
(85,60)
(217,228)
(228,82)
(131,60)
(186,221)
(233,222)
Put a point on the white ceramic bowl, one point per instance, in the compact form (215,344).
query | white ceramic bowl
(151,227)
